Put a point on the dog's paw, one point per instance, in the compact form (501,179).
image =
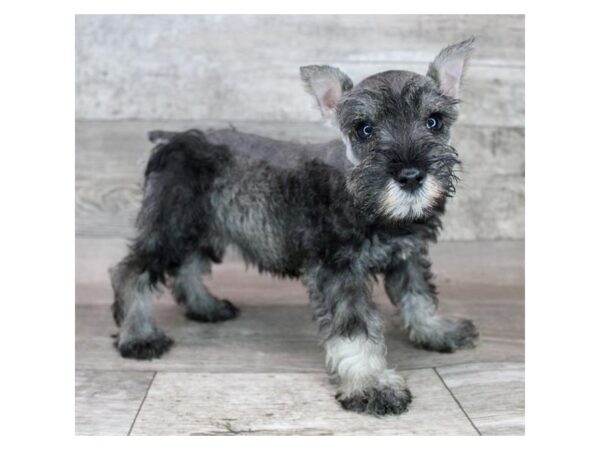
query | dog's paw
(224,310)
(377,401)
(450,336)
(147,348)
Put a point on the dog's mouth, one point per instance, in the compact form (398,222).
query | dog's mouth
(399,201)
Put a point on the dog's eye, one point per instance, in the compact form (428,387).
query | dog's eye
(364,131)
(434,122)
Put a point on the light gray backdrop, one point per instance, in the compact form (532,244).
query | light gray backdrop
(134,73)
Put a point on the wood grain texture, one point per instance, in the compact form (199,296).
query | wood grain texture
(275,331)
(246,67)
(110,160)
(286,404)
(243,70)
(106,403)
(492,394)
(263,373)
(482,281)
(491,96)
(297,37)
(283,339)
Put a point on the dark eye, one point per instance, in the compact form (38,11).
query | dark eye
(434,122)
(364,131)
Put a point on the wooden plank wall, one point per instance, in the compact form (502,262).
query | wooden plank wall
(134,73)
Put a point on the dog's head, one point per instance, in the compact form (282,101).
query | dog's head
(396,127)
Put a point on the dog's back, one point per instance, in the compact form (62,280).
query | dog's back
(279,153)
(277,215)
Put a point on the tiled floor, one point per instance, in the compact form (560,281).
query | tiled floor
(263,373)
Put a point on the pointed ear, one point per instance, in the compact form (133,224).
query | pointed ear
(327,84)
(448,67)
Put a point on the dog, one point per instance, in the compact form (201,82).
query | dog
(334,215)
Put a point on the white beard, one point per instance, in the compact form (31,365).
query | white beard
(399,204)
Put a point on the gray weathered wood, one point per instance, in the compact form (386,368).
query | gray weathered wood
(481,281)
(286,404)
(492,96)
(492,394)
(284,339)
(275,331)
(246,67)
(110,159)
(263,373)
(297,37)
(106,403)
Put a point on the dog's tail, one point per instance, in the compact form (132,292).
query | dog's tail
(160,137)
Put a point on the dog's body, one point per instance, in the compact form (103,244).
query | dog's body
(308,212)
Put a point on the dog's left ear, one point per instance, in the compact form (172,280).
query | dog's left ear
(327,84)
(448,67)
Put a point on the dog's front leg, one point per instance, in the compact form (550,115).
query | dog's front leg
(409,287)
(351,329)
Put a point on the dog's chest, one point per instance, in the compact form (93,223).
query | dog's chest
(380,251)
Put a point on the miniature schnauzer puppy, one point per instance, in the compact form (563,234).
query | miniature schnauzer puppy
(334,215)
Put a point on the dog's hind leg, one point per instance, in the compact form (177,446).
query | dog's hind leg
(409,287)
(352,332)
(138,336)
(190,291)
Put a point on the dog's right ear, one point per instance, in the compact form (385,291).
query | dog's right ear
(327,84)
(448,67)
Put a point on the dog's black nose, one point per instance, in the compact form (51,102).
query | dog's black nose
(411,178)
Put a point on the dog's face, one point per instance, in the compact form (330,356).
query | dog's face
(396,128)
